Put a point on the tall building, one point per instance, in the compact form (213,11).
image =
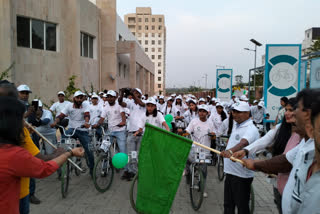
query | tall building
(150,30)
(311,35)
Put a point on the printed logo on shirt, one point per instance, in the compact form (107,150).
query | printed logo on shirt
(198,128)
(237,137)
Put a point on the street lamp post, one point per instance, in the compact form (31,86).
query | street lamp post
(256,43)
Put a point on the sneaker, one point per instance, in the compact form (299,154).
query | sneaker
(205,195)
(125,175)
(131,175)
(34,200)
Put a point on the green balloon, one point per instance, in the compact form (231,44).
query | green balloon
(168,118)
(170,126)
(120,160)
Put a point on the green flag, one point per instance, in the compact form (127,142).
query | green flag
(162,159)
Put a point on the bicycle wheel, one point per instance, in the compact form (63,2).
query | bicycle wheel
(103,172)
(133,192)
(220,169)
(197,188)
(252,200)
(78,161)
(214,159)
(65,177)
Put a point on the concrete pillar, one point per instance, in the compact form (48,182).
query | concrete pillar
(132,71)
(142,80)
(152,84)
(147,82)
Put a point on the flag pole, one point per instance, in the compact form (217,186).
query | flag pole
(52,145)
(217,152)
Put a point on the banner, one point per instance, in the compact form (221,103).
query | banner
(281,76)
(315,73)
(303,74)
(224,84)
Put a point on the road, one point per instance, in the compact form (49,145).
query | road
(84,198)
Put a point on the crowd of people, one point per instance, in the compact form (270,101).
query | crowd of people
(293,140)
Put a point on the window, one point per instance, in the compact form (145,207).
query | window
(159,56)
(134,33)
(160,27)
(146,49)
(153,42)
(132,19)
(146,20)
(159,49)
(159,85)
(146,35)
(159,71)
(153,27)
(153,19)
(159,64)
(86,45)
(140,20)
(160,19)
(146,42)
(139,34)
(152,57)
(43,35)
(140,27)
(153,35)
(146,27)
(153,50)
(159,35)
(159,42)
(159,78)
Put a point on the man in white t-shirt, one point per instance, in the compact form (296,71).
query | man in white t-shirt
(95,113)
(238,179)
(258,112)
(57,107)
(79,117)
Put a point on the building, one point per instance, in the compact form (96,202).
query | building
(49,41)
(150,30)
(311,35)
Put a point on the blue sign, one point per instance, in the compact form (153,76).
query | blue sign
(224,84)
(315,73)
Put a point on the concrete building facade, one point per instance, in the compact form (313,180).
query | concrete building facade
(311,35)
(49,41)
(150,31)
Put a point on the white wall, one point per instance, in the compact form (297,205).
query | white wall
(123,30)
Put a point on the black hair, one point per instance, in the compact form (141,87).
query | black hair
(154,113)
(11,121)
(180,102)
(196,111)
(284,132)
(223,114)
(307,96)
(284,99)
(230,126)
(315,109)
(8,89)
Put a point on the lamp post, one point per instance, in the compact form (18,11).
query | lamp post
(256,43)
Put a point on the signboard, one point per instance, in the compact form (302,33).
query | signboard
(281,76)
(303,74)
(315,73)
(224,84)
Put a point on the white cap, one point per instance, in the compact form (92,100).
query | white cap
(244,98)
(241,106)
(151,100)
(161,97)
(78,93)
(39,102)
(219,104)
(213,99)
(95,96)
(101,93)
(24,88)
(90,94)
(61,93)
(202,99)
(138,89)
(112,93)
(261,104)
(173,95)
(255,101)
(204,107)
(208,96)
(104,95)
(179,97)
(169,98)
(192,100)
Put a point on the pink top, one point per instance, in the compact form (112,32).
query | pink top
(283,177)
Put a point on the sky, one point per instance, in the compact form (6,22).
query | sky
(205,33)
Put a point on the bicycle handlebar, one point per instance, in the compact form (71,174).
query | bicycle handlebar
(64,131)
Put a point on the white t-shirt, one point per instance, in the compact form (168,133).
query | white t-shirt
(160,106)
(95,113)
(46,129)
(58,107)
(257,114)
(223,129)
(76,115)
(188,116)
(136,112)
(199,131)
(169,110)
(216,120)
(156,121)
(245,130)
(113,114)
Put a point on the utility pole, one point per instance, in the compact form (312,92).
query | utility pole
(206,77)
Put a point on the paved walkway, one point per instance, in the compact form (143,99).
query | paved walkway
(84,198)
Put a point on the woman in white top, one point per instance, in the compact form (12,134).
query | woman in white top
(192,112)
(179,105)
(218,117)
(152,117)
(169,108)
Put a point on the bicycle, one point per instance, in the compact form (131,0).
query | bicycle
(67,168)
(196,178)
(103,171)
(221,146)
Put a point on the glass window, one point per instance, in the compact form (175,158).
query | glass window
(152,57)
(90,47)
(51,37)
(153,27)
(146,27)
(146,49)
(153,19)
(160,27)
(85,45)
(146,42)
(159,42)
(159,49)
(153,42)
(159,78)
(153,50)
(37,34)
(146,35)
(153,35)
(159,56)
(159,71)
(160,19)
(23,32)
(140,27)
(159,85)
(159,34)
(146,20)
(159,64)
(140,20)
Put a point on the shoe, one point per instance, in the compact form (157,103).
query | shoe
(205,195)
(125,175)
(34,200)
(131,175)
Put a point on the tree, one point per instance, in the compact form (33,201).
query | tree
(71,89)
(5,74)
(239,80)
(315,47)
